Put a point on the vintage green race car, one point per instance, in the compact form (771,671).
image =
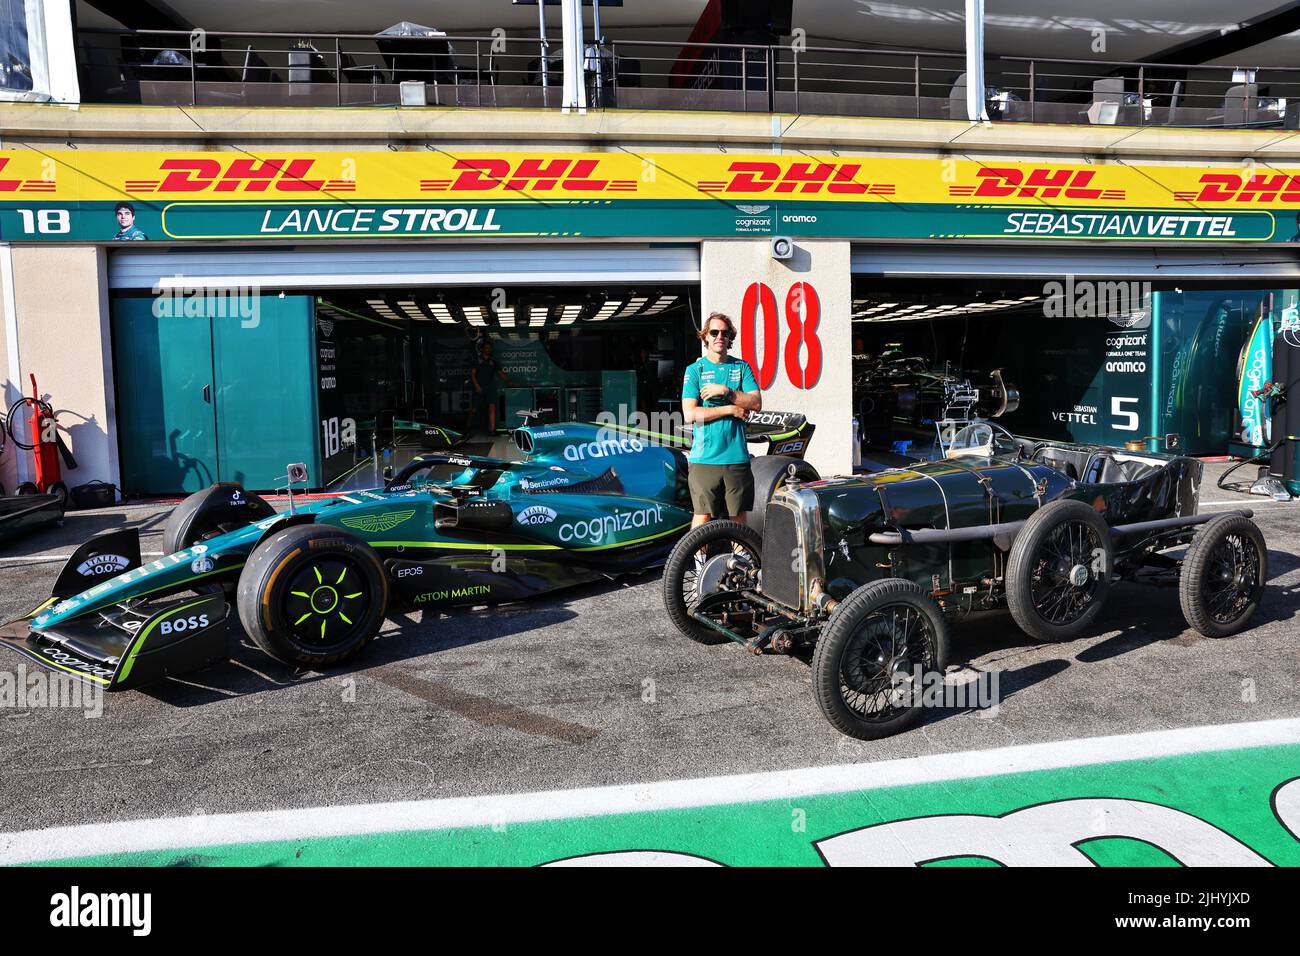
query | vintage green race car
(869,570)
(313,586)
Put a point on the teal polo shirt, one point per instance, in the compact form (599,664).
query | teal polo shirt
(722,441)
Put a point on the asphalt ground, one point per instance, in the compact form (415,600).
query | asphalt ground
(591,686)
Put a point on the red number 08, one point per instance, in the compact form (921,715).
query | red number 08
(802,315)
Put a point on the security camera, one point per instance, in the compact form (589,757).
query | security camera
(782,247)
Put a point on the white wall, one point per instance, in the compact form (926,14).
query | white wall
(729,266)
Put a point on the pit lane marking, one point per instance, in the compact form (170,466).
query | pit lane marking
(132,836)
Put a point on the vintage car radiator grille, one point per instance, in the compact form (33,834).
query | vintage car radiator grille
(783,561)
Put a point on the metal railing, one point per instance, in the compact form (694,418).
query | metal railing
(279,69)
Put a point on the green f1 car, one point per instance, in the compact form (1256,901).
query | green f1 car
(312,586)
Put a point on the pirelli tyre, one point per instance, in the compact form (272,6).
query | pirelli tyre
(770,473)
(708,560)
(1223,575)
(214,510)
(1059,572)
(312,595)
(883,647)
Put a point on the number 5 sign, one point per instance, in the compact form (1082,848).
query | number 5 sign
(803,349)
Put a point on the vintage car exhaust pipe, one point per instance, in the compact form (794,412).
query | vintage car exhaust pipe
(1003,534)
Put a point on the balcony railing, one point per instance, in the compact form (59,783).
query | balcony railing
(318,70)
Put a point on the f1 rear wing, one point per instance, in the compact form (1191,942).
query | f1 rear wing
(785,433)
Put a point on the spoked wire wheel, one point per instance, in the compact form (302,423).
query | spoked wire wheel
(715,557)
(1223,575)
(884,660)
(873,656)
(1059,572)
(1063,581)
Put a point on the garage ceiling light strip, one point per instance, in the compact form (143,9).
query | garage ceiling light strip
(537,316)
(412,311)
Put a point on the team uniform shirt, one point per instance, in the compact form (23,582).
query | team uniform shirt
(721,441)
(131,233)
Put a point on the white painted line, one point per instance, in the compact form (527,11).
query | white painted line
(60,843)
(1251,503)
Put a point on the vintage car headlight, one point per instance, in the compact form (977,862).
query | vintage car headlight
(794,569)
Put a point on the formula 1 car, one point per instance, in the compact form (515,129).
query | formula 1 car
(313,586)
(882,562)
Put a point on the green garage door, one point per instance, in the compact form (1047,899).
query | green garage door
(214,396)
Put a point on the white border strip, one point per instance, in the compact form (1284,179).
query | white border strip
(61,843)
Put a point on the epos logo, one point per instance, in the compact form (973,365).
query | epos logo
(527,175)
(239,175)
(1229,187)
(1036,183)
(180,625)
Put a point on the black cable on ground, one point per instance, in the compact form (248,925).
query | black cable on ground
(1240,487)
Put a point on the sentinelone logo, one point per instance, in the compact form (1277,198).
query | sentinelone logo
(77,909)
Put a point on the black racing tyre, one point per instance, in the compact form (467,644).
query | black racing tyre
(770,473)
(312,595)
(683,571)
(214,510)
(28,488)
(872,656)
(1223,575)
(1059,572)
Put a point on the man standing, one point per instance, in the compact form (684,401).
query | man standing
(718,393)
(483,378)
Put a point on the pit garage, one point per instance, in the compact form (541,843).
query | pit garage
(229,364)
(1112,347)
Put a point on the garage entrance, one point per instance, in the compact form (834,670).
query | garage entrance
(1105,347)
(233,369)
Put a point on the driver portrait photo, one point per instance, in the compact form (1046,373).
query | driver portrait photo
(125,214)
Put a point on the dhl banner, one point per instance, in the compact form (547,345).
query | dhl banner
(101,196)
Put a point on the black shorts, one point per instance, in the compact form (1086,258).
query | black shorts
(722,491)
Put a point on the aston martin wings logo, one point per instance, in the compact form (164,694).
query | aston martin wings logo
(378,522)
(752,210)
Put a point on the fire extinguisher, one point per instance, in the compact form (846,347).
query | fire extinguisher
(44,442)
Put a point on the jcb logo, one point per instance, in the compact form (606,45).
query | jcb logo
(528,175)
(240,175)
(1229,187)
(1035,183)
(180,625)
(760,177)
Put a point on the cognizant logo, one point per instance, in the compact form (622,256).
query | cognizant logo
(606,448)
(596,530)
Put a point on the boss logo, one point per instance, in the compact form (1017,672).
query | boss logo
(180,625)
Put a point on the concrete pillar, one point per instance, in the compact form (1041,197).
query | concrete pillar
(60,299)
(729,267)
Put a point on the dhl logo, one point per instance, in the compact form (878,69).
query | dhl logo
(240,175)
(761,177)
(25,185)
(1035,183)
(527,175)
(1229,187)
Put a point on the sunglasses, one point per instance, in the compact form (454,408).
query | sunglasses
(724,333)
